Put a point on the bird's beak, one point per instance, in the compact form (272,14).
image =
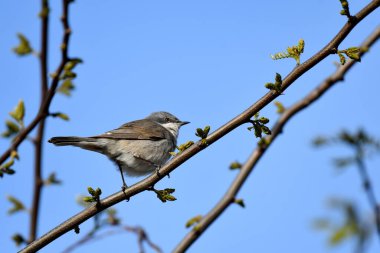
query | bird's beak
(184,123)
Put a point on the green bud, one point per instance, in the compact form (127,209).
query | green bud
(199,132)
(353,53)
(66,87)
(278,78)
(206,130)
(91,190)
(18,112)
(258,131)
(14,154)
(264,120)
(269,86)
(170,198)
(266,130)
(342,59)
(301,46)
(17,205)
(88,199)
(240,202)
(280,107)
(235,165)
(12,126)
(7,164)
(18,239)
(9,171)
(98,192)
(193,221)
(23,47)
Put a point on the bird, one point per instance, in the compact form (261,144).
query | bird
(138,147)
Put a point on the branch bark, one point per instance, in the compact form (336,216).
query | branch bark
(249,165)
(242,118)
(38,182)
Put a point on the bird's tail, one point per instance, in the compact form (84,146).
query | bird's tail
(82,142)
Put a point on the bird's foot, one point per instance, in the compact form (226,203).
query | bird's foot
(123,188)
(158,171)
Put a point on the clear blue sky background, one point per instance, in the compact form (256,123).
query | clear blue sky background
(204,61)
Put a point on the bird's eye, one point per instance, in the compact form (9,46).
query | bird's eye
(167,119)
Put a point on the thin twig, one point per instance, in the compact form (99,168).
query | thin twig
(247,168)
(146,183)
(38,184)
(368,188)
(91,237)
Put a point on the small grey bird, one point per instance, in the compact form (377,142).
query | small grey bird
(138,147)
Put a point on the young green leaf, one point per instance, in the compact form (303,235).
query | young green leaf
(17,205)
(280,107)
(60,115)
(193,221)
(89,199)
(240,202)
(66,87)
(71,64)
(18,112)
(235,165)
(23,48)
(165,195)
(353,53)
(342,58)
(292,52)
(18,239)
(12,129)
(52,180)
(346,9)
(91,191)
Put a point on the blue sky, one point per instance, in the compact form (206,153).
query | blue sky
(204,61)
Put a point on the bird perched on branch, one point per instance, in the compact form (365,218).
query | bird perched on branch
(138,147)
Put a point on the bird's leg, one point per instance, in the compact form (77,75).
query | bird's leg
(158,171)
(124,187)
(122,178)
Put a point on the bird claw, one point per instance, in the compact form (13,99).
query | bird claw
(123,188)
(158,171)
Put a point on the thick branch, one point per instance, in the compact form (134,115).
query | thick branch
(197,147)
(247,168)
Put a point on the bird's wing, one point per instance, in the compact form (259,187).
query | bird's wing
(136,130)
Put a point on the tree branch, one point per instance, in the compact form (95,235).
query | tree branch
(140,233)
(146,183)
(43,111)
(38,184)
(248,167)
(368,188)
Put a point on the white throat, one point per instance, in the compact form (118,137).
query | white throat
(172,127)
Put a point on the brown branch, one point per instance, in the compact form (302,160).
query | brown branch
(43,56)
(140,233)
(148,182)
(43,111)
(248,167)
(369,191)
